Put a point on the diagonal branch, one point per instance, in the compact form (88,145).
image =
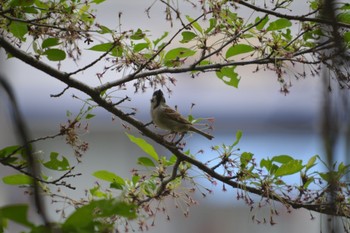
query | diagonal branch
(301,18)
(110,107)
(193,67)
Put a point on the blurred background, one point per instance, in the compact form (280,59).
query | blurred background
(272,124)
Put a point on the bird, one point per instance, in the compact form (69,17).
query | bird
(167,118)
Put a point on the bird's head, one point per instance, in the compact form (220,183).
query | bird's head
(157,98)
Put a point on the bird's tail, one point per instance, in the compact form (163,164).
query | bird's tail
(210,137)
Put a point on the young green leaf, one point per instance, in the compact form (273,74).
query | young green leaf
(238,138)
(311,163)
(289,168)
(228,76)
(18,29)
(17,213)
(156,41)
(145,161)
(140,46)
(56,164)
(108,176)
(117,51)
(145,146)
(238,49)
(187,36)
(282,159)
(49,42)
(89,116)
(344,17)
(98,1)
(96,192)
(347,37)
(245,158)
(263,22)
(18,179)
(55,54)
(95,210)
(194,24)
(212,24)
(178,53)
(138,35)
(279,24)
(10,150)
(104,30)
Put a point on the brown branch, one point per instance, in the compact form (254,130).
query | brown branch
(301,18)
(95,61)
(157,138)
(161,49)
(216,66)
(228,42)
(33,166)
(162,187)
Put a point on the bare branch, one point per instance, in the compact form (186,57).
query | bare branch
(110,107)
(301,18)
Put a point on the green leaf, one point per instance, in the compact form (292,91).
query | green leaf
(104,47)
(145,146)
(279,24)
(263,22)
(56,164)
(96,192)
(17,213)
(10,150)
(91,212)
(287,35)
(178,53)
(212,24)
(282,159)
(98,1)
(311,162)
(238,49)
(289,168)
(138,35)
(49,42)
(104,29)
(135,179)
(344,17)
(89,116)
(108,176)
(30,10)
(238,138)
(55,54)
(308,182)
(172,160)
(245,158)
(117,51)
(194,24)
(18,179)
(140,46)
(18,29)
(145,161)
(266,163)
(15,3)
(165,34)
(116,185)
(187,36)
(228,76)
(347,37)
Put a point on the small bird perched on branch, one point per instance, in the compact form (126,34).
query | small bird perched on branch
(169,119)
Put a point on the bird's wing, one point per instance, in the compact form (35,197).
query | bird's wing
(174,115)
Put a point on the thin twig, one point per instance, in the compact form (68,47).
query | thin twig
(33,167)
(301,18)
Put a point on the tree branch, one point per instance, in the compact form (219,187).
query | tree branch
(302,18)
(110,107)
